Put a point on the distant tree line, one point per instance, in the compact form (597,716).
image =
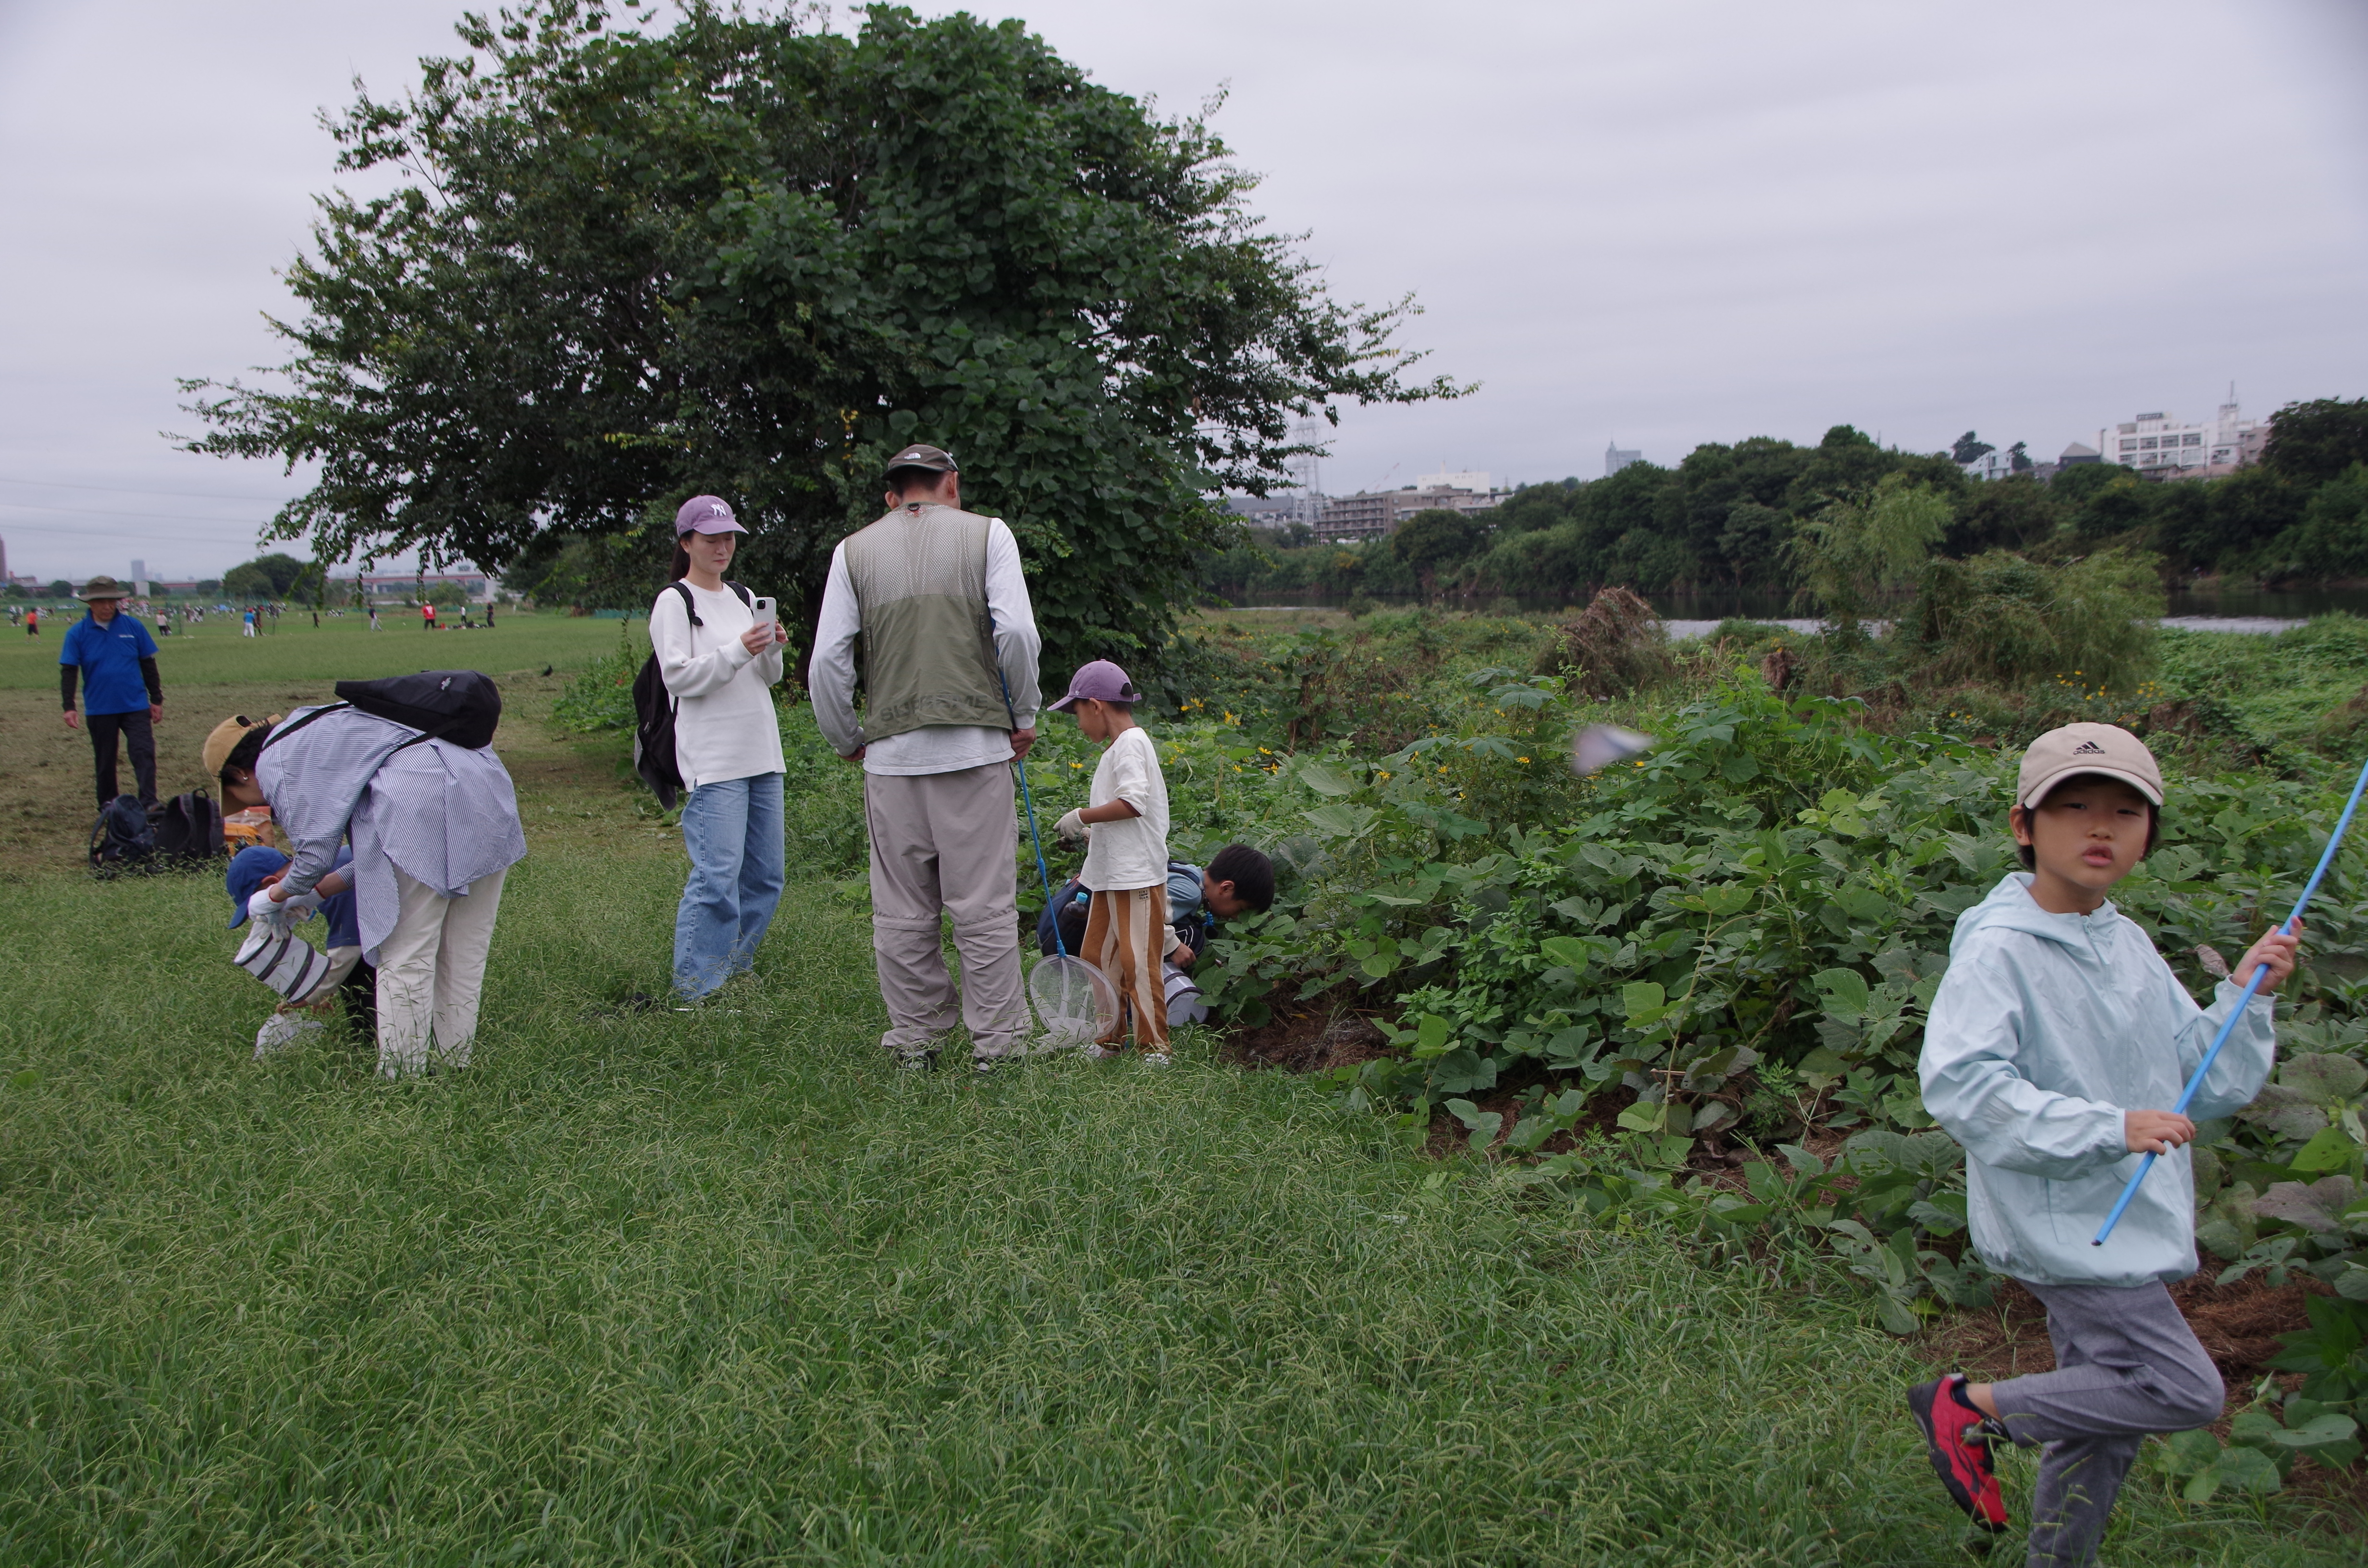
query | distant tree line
(1737,517)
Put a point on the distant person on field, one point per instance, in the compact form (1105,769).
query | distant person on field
(1124,825)
(428,616)
(122,694)
(374,615)
(2055,1017)
(246,624)
(434,830)
(32,620)
(936,598)
(720,664)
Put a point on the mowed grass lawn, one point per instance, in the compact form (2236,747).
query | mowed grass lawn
(723,1288)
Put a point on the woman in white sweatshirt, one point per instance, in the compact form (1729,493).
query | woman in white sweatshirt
(719,663)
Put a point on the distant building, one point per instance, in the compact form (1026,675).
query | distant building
(140,578)
(1276,511)
(2163,446)
(2079,452)
(1615,459)
(1376,514)
(1990,466)
(5,578)
(1467,479)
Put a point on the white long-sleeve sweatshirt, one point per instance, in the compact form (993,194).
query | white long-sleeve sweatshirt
(934,748)
(724,724)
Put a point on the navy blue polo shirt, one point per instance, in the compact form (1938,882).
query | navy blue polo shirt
(109,656)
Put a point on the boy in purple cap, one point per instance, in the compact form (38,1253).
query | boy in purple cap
(1126,861)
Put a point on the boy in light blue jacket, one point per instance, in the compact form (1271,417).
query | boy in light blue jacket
(2056,1017)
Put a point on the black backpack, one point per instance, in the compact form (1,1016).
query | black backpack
(122,838)
(189,827)
(460,706)
(653,711)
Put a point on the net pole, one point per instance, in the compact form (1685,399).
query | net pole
(2194,1083)
(1028,798)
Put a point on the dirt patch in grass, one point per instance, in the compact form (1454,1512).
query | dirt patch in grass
(2239,1324)
(1326,1031)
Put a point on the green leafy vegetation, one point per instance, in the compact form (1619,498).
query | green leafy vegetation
(1849,522)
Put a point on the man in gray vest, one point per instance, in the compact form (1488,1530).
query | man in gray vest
(935,596)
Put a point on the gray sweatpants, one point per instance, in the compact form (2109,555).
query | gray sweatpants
(946,841)
(2126,1364)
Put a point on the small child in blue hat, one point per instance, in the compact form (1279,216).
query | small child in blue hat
(257,867)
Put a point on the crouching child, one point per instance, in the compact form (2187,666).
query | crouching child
(339,973)
(1236,880)
(2055,1041)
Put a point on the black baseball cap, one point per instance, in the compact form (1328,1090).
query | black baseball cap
(932,458)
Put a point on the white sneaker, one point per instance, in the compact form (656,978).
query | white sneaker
(1154,1059)
(1099,1053)
(279,1032)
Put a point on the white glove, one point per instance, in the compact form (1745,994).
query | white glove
(266,910)
(1072,829)
(301,907)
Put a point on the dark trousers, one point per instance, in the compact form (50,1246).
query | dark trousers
(138,739)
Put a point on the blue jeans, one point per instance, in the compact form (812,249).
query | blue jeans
(733,829)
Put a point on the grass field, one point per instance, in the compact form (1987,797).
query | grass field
(723,1288)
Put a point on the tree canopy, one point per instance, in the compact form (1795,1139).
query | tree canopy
(748,258)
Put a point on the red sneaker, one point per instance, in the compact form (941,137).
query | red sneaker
(1954,1438)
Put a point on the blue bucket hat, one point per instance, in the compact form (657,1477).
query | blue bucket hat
(248,869)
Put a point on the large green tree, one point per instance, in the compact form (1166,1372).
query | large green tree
(750,258)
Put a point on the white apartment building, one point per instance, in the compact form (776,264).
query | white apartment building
(2163,446)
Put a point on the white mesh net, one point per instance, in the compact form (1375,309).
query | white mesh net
(1073,1001)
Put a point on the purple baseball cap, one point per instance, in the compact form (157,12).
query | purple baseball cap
(706,514)
(1102,681)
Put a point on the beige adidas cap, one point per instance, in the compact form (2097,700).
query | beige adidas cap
(2107,749)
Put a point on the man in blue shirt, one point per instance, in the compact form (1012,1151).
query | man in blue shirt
(122,694)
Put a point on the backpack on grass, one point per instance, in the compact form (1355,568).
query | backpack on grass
(654,713)
(189,827)
(122,838)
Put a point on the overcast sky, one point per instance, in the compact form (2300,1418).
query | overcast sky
(1656,224)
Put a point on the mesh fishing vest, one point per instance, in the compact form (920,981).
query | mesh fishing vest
(928,643)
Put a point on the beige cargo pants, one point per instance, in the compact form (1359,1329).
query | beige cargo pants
(946,842)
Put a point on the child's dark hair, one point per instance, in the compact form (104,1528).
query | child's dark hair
(242,756)
(1251,873)
(2030,859)
(681,567)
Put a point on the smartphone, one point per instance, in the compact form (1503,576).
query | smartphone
(763,608)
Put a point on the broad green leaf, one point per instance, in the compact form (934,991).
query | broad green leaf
(2248,1470)
(1430,1034)
(1568,951)
(1640,997)
(1845,990)
(1644,1118)
(1339,821)
(1323,780)
(1895,1318)
(2331,1149)
(2328,1079)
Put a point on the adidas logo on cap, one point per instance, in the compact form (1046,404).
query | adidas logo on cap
(2088,748)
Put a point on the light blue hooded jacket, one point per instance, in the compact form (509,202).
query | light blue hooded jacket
(2044,1031)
